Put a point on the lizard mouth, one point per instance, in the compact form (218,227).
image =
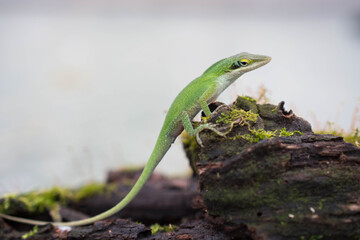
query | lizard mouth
(259,61)
(262,60)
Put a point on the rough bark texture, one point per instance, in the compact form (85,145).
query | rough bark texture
(270,178)
(296,187)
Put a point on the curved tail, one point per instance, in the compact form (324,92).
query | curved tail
(161,147)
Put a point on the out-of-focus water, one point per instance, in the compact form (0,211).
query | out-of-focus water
(85,85)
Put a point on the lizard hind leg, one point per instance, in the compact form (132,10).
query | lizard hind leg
(195,131)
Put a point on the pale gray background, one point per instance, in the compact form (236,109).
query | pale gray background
(84,85)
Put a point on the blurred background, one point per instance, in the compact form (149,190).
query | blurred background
(85,85)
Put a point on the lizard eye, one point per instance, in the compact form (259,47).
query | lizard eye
(240,63)
(243,62)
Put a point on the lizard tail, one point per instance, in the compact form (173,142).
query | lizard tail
(161,147)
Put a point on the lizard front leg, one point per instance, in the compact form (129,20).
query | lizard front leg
(195,131)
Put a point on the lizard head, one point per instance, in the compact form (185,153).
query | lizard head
(245,62)
(233,67)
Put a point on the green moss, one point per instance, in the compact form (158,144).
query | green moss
(205,119)
(92,189)
(285,133)
(353,137)
(247,118)
(257,135)
(250,99)
(320,204)
(155,228)
(235,114)
(7,202)
(50,199)
(39,201)
(31,233)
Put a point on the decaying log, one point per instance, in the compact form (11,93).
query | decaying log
(300,186)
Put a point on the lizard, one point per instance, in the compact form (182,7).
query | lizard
(189,102)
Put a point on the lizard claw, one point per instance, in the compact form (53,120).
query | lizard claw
(198,139)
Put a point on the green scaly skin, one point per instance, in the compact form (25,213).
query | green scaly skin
(194,97)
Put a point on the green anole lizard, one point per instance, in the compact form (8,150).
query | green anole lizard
(188,103)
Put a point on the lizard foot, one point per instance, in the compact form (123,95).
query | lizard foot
(211,127)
